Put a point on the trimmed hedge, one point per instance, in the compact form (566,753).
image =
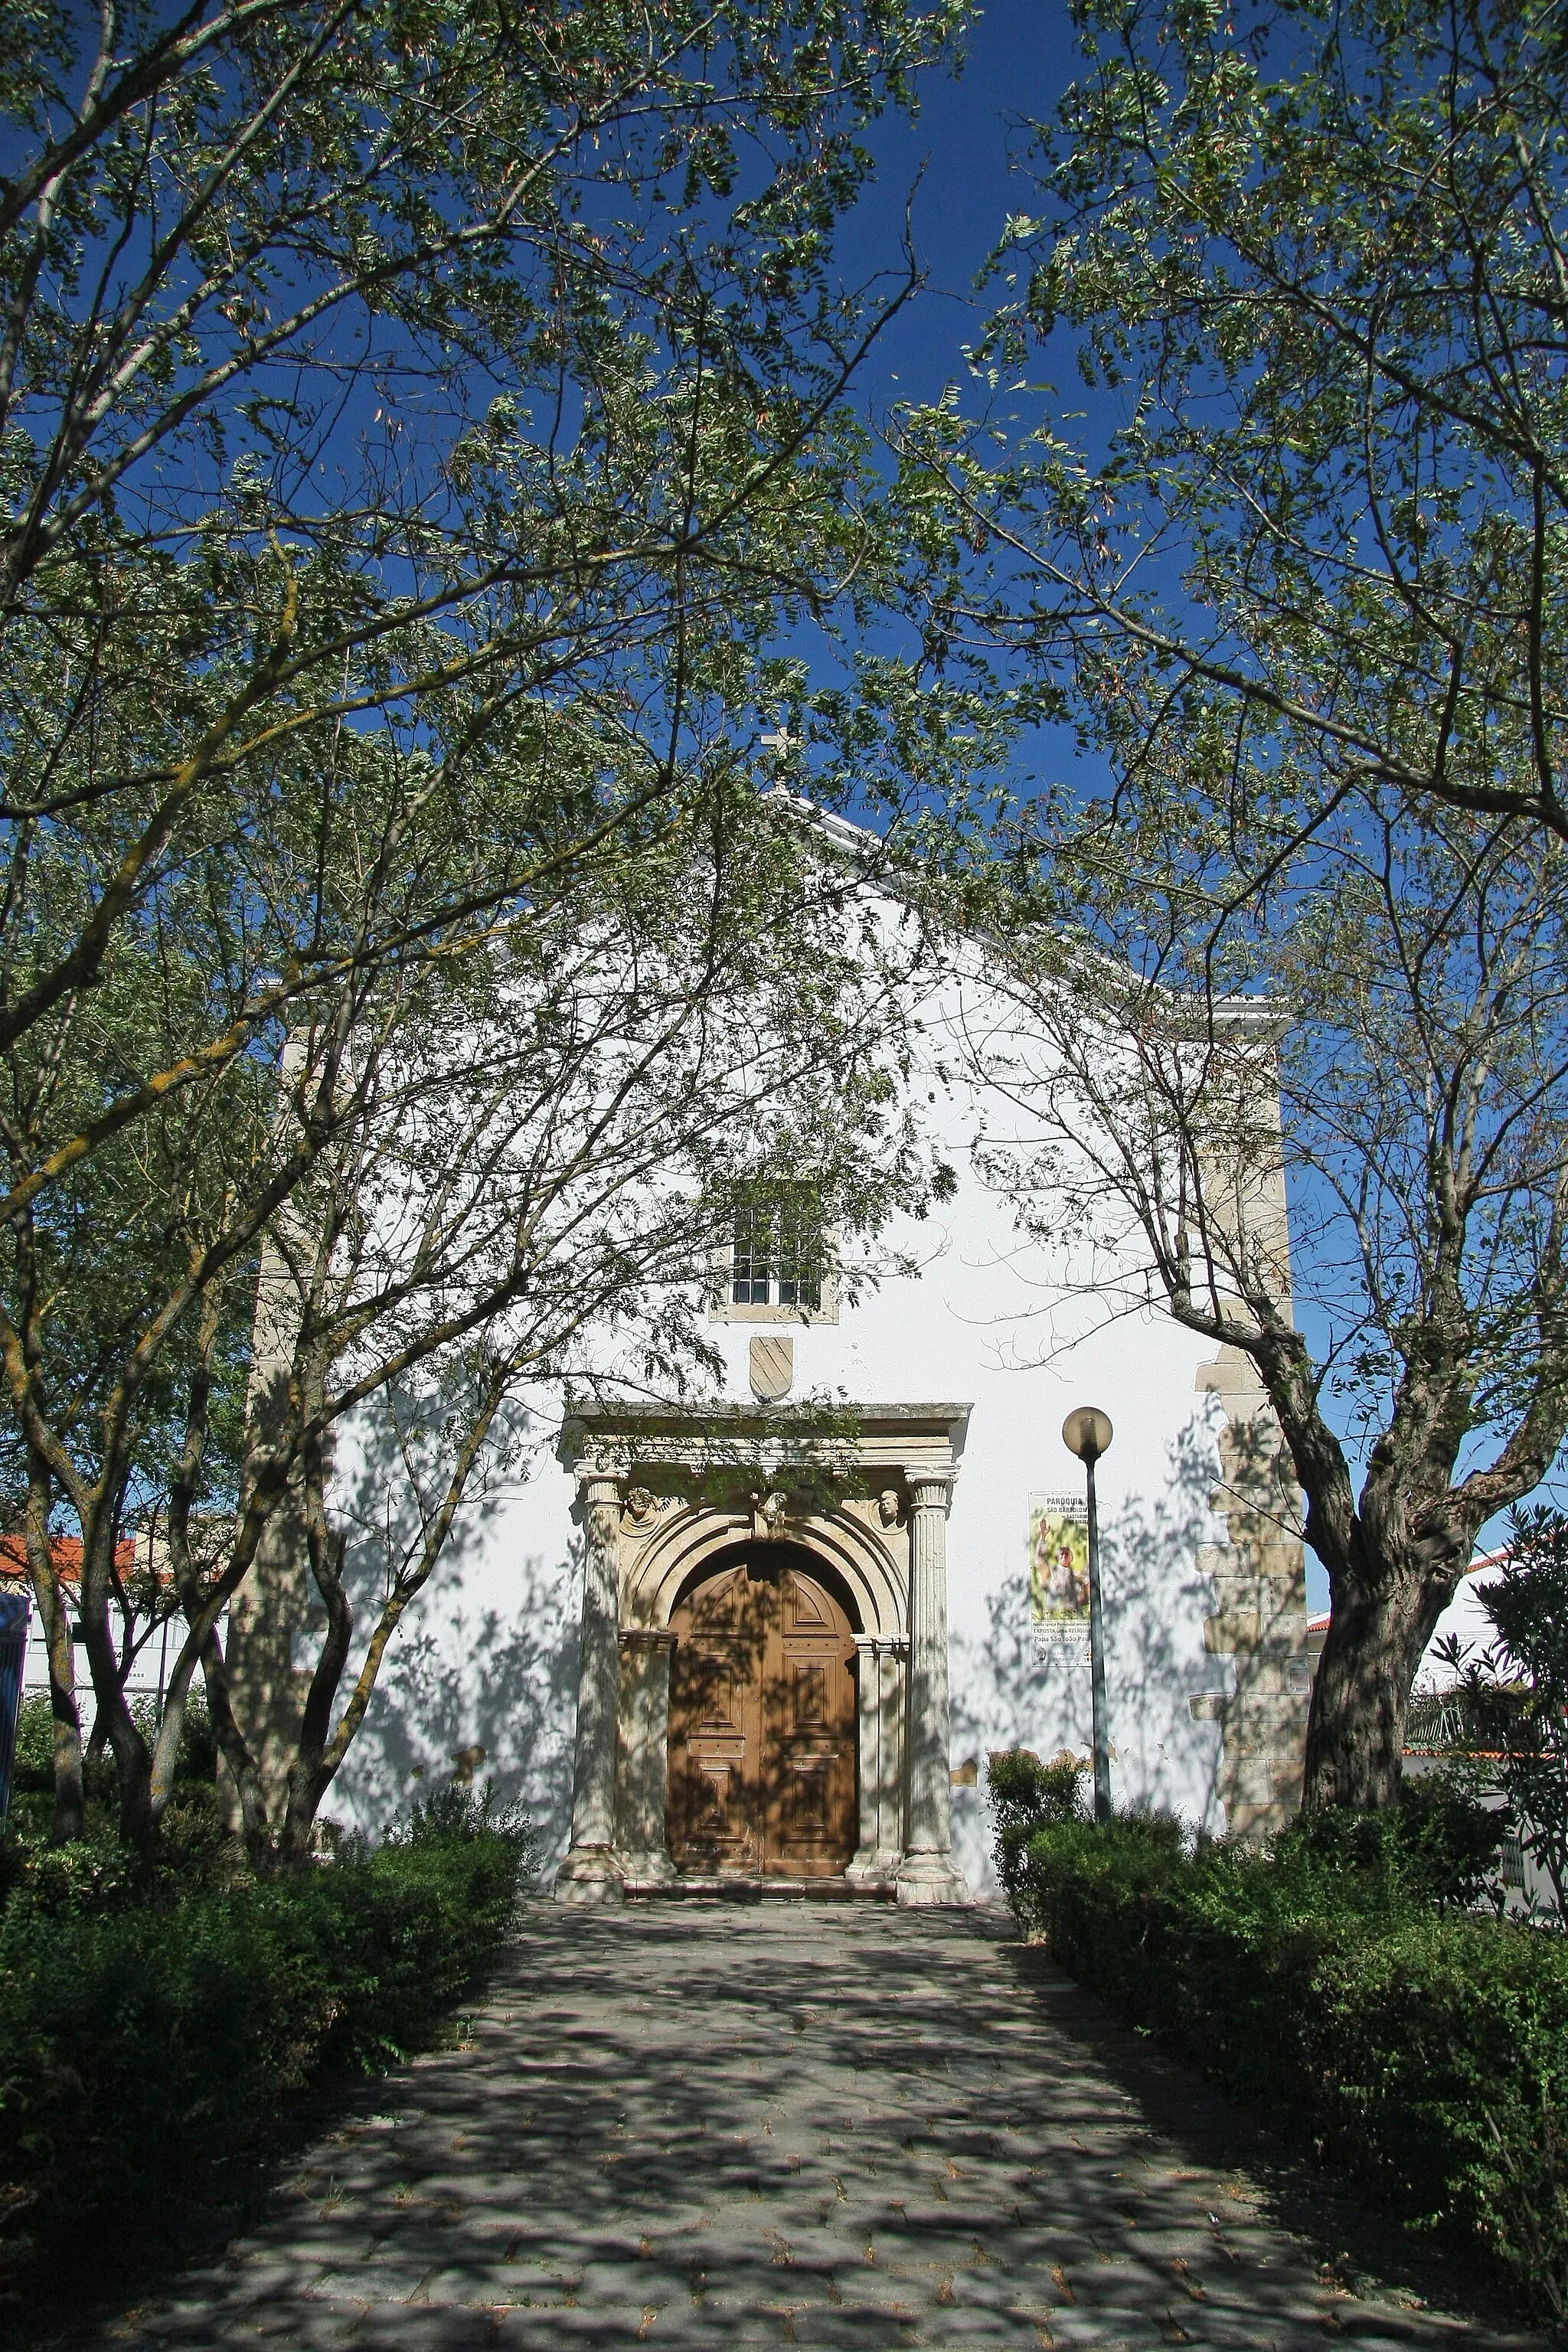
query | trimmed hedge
(1428,2047)
(142,2038)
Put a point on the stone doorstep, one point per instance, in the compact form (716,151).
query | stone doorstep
(734,1888)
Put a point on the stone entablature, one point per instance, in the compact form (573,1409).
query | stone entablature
(661,1491)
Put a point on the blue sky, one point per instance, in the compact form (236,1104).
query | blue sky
(1020,56)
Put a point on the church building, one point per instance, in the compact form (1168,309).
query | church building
(767,1640)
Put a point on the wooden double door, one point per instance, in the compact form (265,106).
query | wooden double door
(761,1723)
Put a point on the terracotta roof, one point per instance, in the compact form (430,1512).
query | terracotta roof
(65,1553)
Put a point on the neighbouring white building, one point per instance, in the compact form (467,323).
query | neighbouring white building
(147,1629)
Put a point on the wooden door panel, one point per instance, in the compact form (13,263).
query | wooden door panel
(807,1693)
(762,1732)
(712,1812)
(807,1608)
(712,1673)
(714,1723)
(809,1818)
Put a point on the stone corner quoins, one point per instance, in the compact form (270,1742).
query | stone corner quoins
(1258,1622)
(661,1493)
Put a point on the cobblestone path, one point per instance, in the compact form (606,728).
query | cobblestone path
(705,2125)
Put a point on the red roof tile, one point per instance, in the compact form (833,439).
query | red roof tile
(66,1552)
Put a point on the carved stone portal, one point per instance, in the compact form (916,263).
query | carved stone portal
(680,1507)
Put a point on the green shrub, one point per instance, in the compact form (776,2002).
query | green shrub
(33,1778)
(1026,1795)
(142,2037)
(1438,1845)
(34,1770)
(1426,2045)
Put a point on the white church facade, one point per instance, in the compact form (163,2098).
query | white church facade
(770,1636)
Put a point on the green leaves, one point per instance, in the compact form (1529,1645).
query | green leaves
(1296,579)
(1322,259)
(145,2039)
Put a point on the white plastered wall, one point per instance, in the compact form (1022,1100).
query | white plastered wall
(487,1658)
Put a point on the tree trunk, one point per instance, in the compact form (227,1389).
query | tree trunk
(1355,1731)
(138,1823)
(68,1820)
(132,1757)
(235,1754)
(306,1787)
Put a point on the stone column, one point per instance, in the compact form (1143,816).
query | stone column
(642,1771)
(881,1761)
(928,1874)
(593,1871)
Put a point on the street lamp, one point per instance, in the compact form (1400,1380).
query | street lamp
(1087,1434)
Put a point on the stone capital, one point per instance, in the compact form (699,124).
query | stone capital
(929,1490)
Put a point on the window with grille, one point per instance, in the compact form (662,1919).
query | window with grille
(778,1254)
(751,1274)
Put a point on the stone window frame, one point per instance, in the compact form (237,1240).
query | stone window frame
(723,1307)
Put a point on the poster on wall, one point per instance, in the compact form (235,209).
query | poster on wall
(1058,1568)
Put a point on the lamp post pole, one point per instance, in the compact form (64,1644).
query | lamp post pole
(1087,1434)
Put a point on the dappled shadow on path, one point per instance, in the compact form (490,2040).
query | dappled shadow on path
(1353,2245)
(713,2125)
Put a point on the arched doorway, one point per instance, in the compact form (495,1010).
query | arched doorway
(762,1719)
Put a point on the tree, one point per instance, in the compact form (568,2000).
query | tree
(364,362)
(498,1173)
(529,1208)
(301,694)
(1312,262)
(1297,587)
(1383,1047)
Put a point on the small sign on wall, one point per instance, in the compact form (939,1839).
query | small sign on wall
(1058,1568)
